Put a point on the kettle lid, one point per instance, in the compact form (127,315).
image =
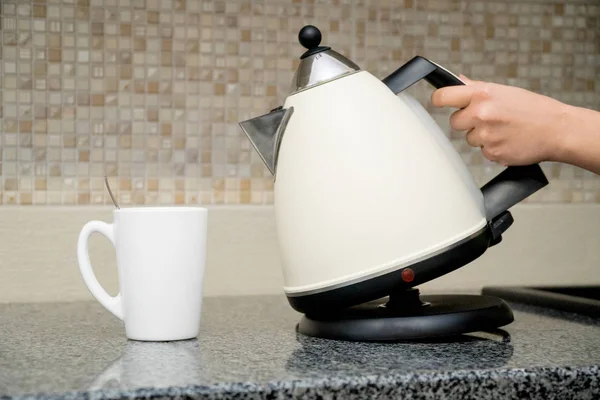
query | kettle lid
(319,64)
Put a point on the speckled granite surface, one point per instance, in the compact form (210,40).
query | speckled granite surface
(248,348)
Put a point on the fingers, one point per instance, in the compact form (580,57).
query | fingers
(474,138)
(463,120)
(452,96)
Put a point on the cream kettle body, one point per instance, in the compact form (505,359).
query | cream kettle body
(370,195)
(361,180)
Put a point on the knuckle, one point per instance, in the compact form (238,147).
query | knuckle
(483,91)
(484,113)
(484,135)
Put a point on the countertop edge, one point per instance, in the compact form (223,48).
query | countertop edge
(537,382)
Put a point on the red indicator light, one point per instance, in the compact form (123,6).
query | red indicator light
(408,275)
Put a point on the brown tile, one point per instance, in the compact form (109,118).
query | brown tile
(125,71)
(125,142)
(10,184)
(69,141)
(245,197)
(591,85)
(40,111)
(139,86)
(54,40)
(54,170)
(111,85)
(54,55)
(166,129)
(25,83)
(246,35)
(244,184)
(559,9)
(166,58)
(97,28)
(124,57)
(271,90)
(25,126)
(25,198)
(218,184)
(40,69)
(40,184)
(206,170)
(152,17)
(179,100)
(139,44)
(11,126)
(82,13)
(219,89)
(125,184)
(152,114)
(547,46)
(125,29)
(54,83)
(83,198)
(39,154)
(166,45)
(138,198)
(39,11)
(84,156)
(179,197)
(152,87)
(455,44)
(83,99)
(83,184)
(152,185)
(179,143)
(98,43)
(433,30)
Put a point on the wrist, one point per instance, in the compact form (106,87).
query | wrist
(565,134)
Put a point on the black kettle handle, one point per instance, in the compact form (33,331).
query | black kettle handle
(420,68)
(513,184)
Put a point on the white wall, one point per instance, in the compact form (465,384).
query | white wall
(546,244)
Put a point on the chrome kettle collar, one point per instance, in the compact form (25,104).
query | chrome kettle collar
(319,64)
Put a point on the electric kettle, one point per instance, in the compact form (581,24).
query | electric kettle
(370,196)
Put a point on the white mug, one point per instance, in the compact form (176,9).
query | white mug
(161,257)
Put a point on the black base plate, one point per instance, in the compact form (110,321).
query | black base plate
(410,317)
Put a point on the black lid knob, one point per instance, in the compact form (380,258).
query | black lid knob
(309,37)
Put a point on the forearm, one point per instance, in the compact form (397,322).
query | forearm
(579,142)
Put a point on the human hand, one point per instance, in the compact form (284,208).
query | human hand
(512,126)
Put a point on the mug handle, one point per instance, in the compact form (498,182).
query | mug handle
(112,304)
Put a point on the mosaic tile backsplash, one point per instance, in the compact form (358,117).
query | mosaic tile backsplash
(149,92)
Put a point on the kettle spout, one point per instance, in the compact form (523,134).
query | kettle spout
(265,134)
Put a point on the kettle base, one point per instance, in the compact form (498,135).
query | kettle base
(406,316)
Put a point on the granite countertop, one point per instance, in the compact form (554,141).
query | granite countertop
(248,348)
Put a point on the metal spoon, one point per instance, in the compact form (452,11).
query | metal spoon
(110,193)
